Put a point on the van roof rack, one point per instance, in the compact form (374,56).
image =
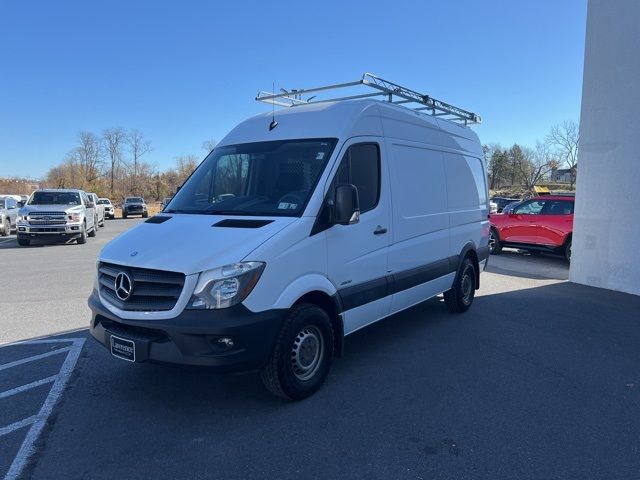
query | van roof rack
(382,88)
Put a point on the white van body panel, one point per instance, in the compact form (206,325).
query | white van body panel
(428,224)
(188,243)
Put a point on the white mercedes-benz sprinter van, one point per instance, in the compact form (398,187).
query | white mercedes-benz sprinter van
(300,228)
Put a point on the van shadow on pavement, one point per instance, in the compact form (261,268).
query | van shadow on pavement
(534,383)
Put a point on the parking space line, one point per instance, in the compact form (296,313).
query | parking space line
(28,386)
(34,358)
(17,425)
(38,421)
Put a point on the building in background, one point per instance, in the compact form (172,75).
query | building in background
(606,243)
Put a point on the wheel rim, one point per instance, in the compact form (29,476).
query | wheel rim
(307,352)
(467,287)
(492,241)
(569,252)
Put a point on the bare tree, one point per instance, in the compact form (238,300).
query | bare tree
(536,164)
(209,145)
(87,156)
(138,146)
(564,138)
(113,140)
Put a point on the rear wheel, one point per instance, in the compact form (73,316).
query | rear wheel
(567,251)
(461,295)
(303,353)
(494,242)
(24,242)
(124,215)
(6,227)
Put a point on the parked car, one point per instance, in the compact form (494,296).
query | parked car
(8,215)
(109,209)
(267,265)
(539,224)
(134,206)
(57,215)
(502,202)
(165,202)
(509,207)
(99,208)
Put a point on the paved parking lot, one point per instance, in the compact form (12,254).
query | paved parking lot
(539,380)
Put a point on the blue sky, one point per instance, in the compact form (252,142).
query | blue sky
(184,72)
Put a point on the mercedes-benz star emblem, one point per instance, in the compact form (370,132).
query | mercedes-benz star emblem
(123,286)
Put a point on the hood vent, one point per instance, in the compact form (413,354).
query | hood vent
(241,223)
(157,219)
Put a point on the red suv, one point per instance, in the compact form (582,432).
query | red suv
(538,224)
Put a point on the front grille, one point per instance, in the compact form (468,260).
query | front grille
(37,221)
(47,218)
(134,207)
(151,290)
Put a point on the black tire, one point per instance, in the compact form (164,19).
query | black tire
(82,239)
(94,230)
(124,215)
(461,295)
(145,215)
(495,246)
(567,251)
(24,242)
(302,354)
(101,224)
(6,227)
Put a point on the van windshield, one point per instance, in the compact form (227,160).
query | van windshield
(263,179)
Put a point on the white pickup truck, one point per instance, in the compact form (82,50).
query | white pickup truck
(55,214)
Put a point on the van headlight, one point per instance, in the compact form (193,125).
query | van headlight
(225,286)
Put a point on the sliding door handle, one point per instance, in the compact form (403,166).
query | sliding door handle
(379,230)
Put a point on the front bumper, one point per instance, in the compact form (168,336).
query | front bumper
(69,230)
(192,338)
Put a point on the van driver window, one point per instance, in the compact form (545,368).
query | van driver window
(361,167)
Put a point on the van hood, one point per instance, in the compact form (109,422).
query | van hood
(190,243)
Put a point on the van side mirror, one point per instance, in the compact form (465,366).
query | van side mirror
(347,205)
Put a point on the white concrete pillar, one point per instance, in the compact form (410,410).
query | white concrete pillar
(606,240)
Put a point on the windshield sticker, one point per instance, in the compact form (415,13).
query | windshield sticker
(320,156)
(287,206)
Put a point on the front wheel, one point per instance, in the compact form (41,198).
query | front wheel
(24,242)
(461,295)
(302,355)
(6,227)
(82,239)
(94,230)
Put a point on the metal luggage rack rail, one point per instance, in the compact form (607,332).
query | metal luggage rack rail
(382,88)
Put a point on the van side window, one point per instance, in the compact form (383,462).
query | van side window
(360,166)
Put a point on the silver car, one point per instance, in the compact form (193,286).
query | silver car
(8,215)
(100,210)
